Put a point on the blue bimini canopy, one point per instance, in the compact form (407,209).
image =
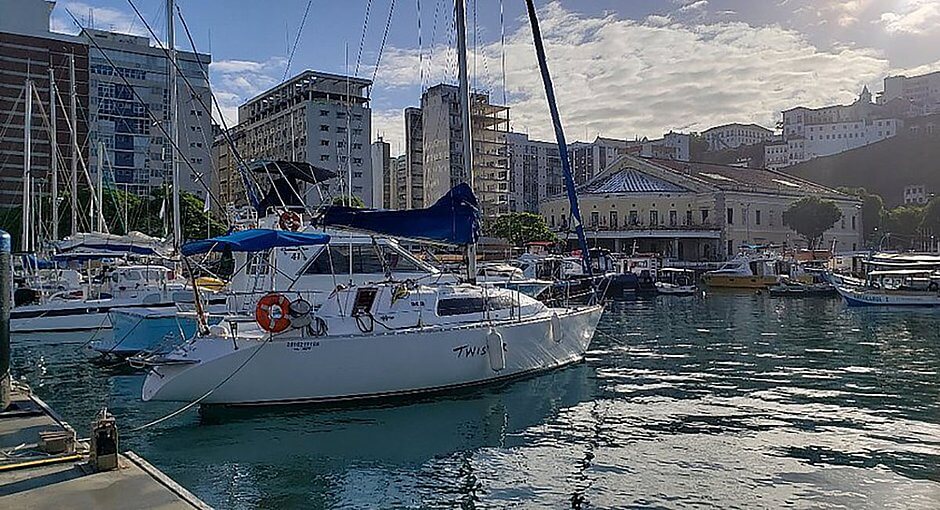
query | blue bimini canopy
(258,239)
(454,219)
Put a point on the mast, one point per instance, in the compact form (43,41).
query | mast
(560,138)
(98,218)
(173,126)
(73,114)
(26,233)
(54,154)
(464,93)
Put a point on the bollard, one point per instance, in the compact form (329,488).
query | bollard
(104,442)
(6,293)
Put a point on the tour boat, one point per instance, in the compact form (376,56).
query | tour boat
(898,287)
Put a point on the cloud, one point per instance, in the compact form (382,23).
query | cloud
(102,18)
(390,125)
(915,17)
(236,81)
(623,78)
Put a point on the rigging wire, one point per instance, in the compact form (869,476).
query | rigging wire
(388,23)
(362,39)
(420,48)
(290,57)
(502,48)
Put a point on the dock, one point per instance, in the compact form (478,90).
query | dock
(44,466)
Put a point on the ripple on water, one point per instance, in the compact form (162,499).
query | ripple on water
(732,401)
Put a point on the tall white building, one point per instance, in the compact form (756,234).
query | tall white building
(412,188)
(672,145)
(137,150)
(382,166)
(732,136)
(815,132)
(322,118)
(590,158)
(443,151)
(536,172)
(921,94)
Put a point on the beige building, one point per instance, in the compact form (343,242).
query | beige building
(695,211)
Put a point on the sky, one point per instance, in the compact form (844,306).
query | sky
(621,68)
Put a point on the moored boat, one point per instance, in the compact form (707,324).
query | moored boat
(895,288)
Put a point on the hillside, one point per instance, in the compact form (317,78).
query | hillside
(884,168)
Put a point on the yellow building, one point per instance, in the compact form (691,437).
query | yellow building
(696,211)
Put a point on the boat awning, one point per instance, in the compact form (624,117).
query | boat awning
(454,219)
(258,239)
(901,272)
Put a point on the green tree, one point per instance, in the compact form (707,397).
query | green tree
(520,228)
(873,211)
(345,201)
(931,217)
(811,218)
(902,225)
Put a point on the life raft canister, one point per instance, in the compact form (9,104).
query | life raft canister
(289,220)
(272,312)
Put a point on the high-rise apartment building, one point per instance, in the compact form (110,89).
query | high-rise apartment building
(443,150)
(536,172)
(591,158)
(413,193)
(28,51)
(322,118)
(382,165)
(129,96)
(920,94)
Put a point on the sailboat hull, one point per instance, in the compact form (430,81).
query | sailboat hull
(329,369)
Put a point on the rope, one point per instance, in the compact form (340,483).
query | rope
(207,394)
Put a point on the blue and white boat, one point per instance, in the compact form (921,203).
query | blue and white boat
(895,288)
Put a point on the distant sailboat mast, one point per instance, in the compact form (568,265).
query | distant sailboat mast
(26,238)
(173,127)
(54,154)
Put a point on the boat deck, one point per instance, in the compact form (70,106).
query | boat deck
(32,479)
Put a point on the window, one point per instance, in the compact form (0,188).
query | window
(853,223)
(324,157)
(843,223)
(595,218)
(654,218)
(341,129)
(730,247)
(324,127)
(688,217)
(730,216)
(673,218)
(472,304)
(704,215)
(324,143)
(757,217)
(634,217)
(613,219)
(365,260)
(324,113)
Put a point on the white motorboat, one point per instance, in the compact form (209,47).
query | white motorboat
(80,317)
(895,288)
(372,341)
(676,282)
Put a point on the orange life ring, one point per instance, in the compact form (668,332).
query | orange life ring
(289,220)
(272,312)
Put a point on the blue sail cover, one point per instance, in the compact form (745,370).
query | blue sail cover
(453,219)
(258,239)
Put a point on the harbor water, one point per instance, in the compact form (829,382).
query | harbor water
(734,400)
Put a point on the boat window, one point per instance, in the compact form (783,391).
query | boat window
(364,260)
(472,304)
(132,276)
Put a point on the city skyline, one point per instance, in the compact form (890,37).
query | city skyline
(646,68)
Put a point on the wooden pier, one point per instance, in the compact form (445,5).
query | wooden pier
(43,466)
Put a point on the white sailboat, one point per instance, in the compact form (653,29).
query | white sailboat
(373,340)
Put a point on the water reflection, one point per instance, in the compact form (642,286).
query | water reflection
(728,401)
